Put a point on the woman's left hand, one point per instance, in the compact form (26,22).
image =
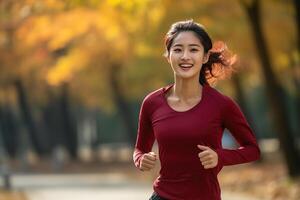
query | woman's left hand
(208,157)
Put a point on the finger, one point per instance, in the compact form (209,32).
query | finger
(146,165)
(206,163)
(202,147)
(151,162)
(152,153)
(203,154)
(149,156)
(208,166)
(211,165)
(206,158)
(145,169)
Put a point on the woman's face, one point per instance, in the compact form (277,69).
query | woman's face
(186,55)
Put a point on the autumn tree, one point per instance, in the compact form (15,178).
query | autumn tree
(275,92)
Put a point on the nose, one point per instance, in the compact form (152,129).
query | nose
(185,55)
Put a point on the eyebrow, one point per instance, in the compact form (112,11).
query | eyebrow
(180,45)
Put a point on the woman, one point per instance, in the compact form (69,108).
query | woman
(188,117)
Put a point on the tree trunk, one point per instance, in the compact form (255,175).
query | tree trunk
(297,9)
(275,93)
(295,63)
(122,105)
(53,121)
(69,127)
(8,130)
(27,117)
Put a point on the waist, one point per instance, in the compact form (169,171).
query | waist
(189,187)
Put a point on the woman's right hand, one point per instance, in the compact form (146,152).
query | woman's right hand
(148,161)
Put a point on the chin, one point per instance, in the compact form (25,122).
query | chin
(187,76)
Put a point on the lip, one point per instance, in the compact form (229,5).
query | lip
(185,66)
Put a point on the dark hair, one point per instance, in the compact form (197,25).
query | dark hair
(219,64)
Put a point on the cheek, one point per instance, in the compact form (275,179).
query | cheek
(199,58)
(172,59)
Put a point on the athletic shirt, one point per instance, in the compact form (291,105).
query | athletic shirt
(182,176)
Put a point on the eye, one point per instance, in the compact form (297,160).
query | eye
(194,50)
(177,50)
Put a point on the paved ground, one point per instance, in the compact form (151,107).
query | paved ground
(92,187)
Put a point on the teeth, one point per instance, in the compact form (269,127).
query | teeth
(185,65)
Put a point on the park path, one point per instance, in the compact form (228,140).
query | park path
(89,186)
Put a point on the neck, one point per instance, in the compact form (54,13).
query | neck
(187,89)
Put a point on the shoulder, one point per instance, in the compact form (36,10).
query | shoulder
(154,98)
(222,100)
(216,95)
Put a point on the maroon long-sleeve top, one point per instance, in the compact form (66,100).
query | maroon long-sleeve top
(182,176)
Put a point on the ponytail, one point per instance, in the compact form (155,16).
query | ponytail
(219,65)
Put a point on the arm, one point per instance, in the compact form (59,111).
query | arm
(145,136)
(235,122)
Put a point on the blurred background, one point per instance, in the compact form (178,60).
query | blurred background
(73,74)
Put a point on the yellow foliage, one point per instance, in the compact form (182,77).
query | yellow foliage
(71,25)
(67,67)
(67,26)
(121,31)
(143,50)
(114,2)
(282,60)
(206,21)
(112,32)
(155,15)
(128,5)
(35,30)
(54,4)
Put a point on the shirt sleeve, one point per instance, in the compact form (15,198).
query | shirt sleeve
(235,121)
(145,135)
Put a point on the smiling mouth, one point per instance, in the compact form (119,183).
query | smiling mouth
(185,66)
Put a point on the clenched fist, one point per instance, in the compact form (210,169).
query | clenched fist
(148,161)
(208,157)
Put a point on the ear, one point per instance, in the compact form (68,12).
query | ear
(206,57)
(168,59)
